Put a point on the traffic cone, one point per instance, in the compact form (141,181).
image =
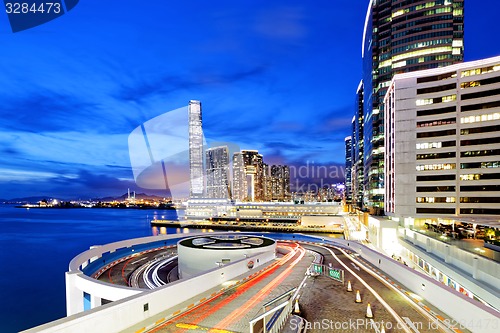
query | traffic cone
(349,288)
(369,313)
(358,297)
(296,309)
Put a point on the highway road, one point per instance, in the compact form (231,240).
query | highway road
(389,305)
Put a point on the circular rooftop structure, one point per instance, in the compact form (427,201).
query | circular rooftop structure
(202,253)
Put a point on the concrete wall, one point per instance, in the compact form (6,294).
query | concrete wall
(123,314)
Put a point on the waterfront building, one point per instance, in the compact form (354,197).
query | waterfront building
(400,37)
(263,212)
(239,178)
(443,143)
(197,183)
(348,170)
(217,161)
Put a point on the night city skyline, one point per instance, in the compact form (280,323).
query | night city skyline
(280,78)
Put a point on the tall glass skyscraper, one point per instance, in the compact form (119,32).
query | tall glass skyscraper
(401,36)
(357,164)
(348,170)
(196,188)
(280,182)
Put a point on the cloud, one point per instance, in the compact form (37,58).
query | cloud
(142,89)
(42,111)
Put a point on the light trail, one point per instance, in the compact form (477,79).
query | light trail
(244,287)
(240,312)
(152,268)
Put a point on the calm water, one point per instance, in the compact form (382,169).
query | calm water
(36,246)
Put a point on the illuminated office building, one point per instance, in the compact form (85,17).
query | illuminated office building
(217,161)
(348,170)
(268,184)
(254,173)
(280,182)
(195,150)
(239,178)
(443,142)
(357,165)
(401,36)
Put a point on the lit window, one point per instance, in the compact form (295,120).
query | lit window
(427,101)
(440,166)
(449,98)
(481,118)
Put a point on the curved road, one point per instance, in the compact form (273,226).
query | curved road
(147,270)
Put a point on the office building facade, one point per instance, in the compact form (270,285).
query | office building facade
(357,162)
(240,187)
(348,170)
(280,182)
(443,142)
(217,161)
(401,36)
(254,174)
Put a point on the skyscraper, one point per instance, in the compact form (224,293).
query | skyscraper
(195,150)
(280,182)
(443,144)
(357,164)
(254,172)
(348,168)
(239,178)
(399,37)
(217,159)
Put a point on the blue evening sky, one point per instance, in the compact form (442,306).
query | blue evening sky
(277,76)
